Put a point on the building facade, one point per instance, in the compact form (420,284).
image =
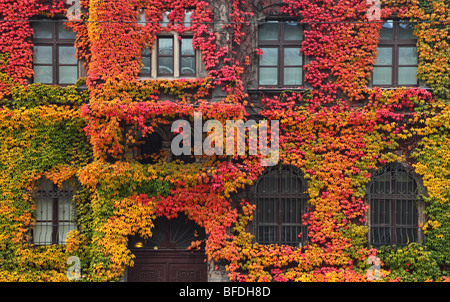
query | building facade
(98,184)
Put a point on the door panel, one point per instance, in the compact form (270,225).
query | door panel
(168,266)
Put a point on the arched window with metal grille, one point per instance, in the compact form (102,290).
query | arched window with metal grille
(54,212)
(281,201)
(395,206)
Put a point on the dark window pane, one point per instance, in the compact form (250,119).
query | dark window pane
(42,30)
(268,31)
(387,30)
(269,57)
(407,75)
(384,56)
(293,76)
(405,31)
(186,47)
(187,65)
(65,33)
(279,209)
(407,55)
(68,74)
(268,76)
(165,65)
(292,57)
(293,31)
(67,55)
(146,60)
(165,46)
(43,74)
(43,55)
(382,75)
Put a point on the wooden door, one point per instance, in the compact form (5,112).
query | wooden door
(164,257)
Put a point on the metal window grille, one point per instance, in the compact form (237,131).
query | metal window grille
(281,201)
(393,201)
(54,213)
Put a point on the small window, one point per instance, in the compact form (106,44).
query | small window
(174,56)
(54,213)
(151,146)
(394,206)
(54,60)
(397,59)
(281,62)
(146,70)
(187,57)
(281,201)
(165,56)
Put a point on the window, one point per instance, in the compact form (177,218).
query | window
(154,143)
(187,59)
(151,146)
(53,213)
(396,63)
(281,63)
(281,201)
(54,59)
(165,56)
(173,56)
(394,206)
(146,70)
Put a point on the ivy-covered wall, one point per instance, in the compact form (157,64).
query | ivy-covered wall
(337,133)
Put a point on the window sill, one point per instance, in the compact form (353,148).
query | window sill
(276,89)
(168,78)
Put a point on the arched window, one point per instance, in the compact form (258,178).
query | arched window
(394,206)
(54,213)
(281,201)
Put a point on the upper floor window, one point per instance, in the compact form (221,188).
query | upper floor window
(173,55)
(54,60)
(53,213)
(281,201)
(394,206)
(397,59)
(281,62)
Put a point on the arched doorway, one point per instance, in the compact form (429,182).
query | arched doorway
(164,257)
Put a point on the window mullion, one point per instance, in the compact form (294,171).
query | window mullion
(176,56)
